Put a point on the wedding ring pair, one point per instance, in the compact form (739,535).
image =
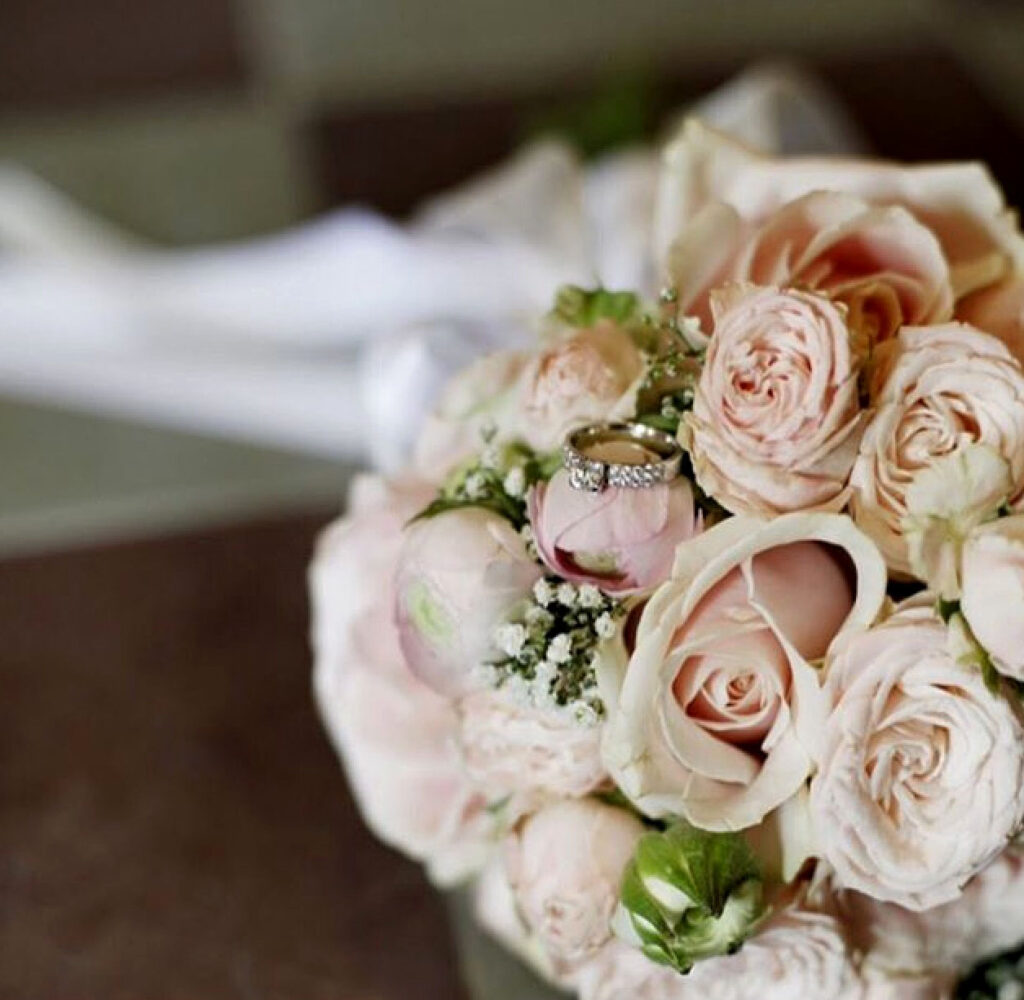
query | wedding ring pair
(620,454)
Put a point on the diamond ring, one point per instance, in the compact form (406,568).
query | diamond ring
(622,454)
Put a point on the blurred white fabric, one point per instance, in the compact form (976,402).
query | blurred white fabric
(334,337)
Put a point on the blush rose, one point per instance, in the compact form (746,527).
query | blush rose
(921,772)
(397,738)
(622,540)
(776,416)
(719,709)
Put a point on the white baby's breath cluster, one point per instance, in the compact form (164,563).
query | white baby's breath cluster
(545,657)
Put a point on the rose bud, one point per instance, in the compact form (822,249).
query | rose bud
(460,575)
(397,738)
(622,540)
(565,864)
(776,415)
(992,592)
(689,895)
(590,375)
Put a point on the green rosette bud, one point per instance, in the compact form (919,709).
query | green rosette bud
(689,894)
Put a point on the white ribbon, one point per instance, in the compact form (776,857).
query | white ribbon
(335,337)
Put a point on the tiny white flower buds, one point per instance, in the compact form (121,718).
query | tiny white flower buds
(515,481)
(543,592)
(560,649)
(510,639)
(604,626)
(566,595)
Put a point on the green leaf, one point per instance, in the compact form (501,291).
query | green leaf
(498,504)
(690,894)
(580,307)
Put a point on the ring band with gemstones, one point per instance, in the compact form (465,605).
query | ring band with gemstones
(621,454)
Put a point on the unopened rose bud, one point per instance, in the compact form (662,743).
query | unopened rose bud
(689,894)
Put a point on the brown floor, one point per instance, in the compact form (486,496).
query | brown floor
(173,823)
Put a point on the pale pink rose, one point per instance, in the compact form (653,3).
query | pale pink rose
(992,591)
(921,772)
(587,376)
(881,262)
(799,952)
(948,940)
(397,739)
(708,176)
(495,909)
(460,575)
(480,397)
(896,941)
(925,987)
(621,972)
(527,754)
(945,941)
(776,416)
(622,540)
(996,899)
(720,708)
(943,388)
(998,310)
(565,865)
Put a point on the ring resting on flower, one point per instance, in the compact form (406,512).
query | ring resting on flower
(630,455)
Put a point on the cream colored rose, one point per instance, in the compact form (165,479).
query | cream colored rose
(719,709)
(896,941)
(776,416)
(622,972)
(992,591)
(589,375)
(481,396)
(959,202)
(526,753)
(996,899)
(565,864)
(923,987)
(495,909)
(947,940)
(798,953)
(942,389)
(921,772)
(396,737)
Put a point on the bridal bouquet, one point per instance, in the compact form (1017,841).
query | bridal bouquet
(693,638)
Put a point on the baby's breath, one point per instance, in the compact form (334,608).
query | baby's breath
(546,657)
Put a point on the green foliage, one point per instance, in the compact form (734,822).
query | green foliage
(484,481)
(690,894)
(582,307)
(620,113)
(1000,977)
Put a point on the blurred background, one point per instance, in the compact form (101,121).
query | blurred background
(197,121)
(172,821)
